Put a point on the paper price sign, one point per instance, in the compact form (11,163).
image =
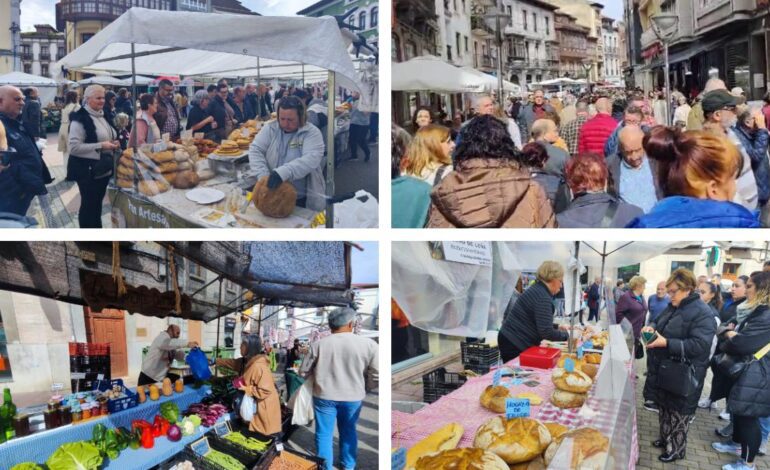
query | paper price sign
(517,408)
(201,447)
(496,378)
(398,459)
(78,375)
(517,381)
(222,429)
(588,345)
(569,365)
(580,352)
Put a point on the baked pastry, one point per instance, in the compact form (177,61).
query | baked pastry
(467,458)
(443,439)
(536,464)
(162,157)
(278,202)
(590,370)
(186,180)
(153,188)
(181,155)
(576,381)
(205,175)
(564,399)
(125,171)
(587,450)
(168,167)
(493,398)
(124,183)
(533,398)
(170,177)
(514,440)
(592,358)
(185,165)
(556,429)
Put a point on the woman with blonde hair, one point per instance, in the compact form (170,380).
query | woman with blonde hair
(510,124)
(683,334)
(697,173)
(633,307)
(429,157)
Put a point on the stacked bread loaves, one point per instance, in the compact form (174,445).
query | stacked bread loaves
(462,459)
(589,368)
(493,398)
(571,388)
(514,440)
(445,438)
(581,449)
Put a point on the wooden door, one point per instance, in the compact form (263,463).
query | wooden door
(109,326)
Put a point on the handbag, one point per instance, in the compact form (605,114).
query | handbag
(104,167)
(677,376)
(302,404)
(733,366)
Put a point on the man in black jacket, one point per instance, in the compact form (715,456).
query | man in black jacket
(27,174)
(531,319)
(218,111)
(32,114)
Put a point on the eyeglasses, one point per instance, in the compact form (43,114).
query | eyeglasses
(729,108)
(672,291)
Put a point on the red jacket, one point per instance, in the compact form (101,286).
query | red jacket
(595,133)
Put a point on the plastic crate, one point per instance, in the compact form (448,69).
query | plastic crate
(236,450)
(438,383)
(481,370)
(479,354)
(273,453)
(120,404)
(202,464)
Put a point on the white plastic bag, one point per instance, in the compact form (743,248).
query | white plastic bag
(302,404)
(362,211)
(248,408)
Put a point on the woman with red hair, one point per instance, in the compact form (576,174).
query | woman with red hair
(697,172)
(592,206)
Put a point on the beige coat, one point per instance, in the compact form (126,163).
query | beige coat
(261,387)
(64,129)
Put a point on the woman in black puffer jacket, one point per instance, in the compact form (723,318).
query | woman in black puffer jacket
(747,397)
(738,292)
(687,325)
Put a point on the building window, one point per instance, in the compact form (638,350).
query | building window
(547,25)
(524,18)
(27,68)
(362,20)
(196,272)
(689,265)
(44,70)
(466,44)
(449,52)
(89,7)
(534,21)
(373,17)
(457,43)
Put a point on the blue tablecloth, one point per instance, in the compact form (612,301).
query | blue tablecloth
(38,447)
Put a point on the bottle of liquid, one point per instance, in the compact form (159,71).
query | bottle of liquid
(8,411)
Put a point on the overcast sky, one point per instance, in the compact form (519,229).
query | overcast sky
(364,264)
(42,11)
(613,8)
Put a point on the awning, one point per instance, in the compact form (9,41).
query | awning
(301,274)
(686,54)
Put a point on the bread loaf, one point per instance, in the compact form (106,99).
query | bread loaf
(168,167)
(162,157)
(556,429)
(278,202)
(186,180)
(153,188)
(124,183)
(586,450)
(181,155)
(564,399)
(590,370)
(185,165)
(536,464)
(576,381)
(205,175)
(125,171)
(514,440)
(493,398)
(444,439)
(461,459)
(592,358)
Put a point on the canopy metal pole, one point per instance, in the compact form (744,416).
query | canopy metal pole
(303,75)
(259,72)
(259,321)
(610,318)
(219,319)
(574,295)
(330,156)
(133,117)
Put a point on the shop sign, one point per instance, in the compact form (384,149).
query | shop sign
(128,211)
(496,378)
(222,429)
(201,447)
(398,459)
(478,253)
(517,408)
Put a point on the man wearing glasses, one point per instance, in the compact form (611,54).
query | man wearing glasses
(719,111)
(167,116)
(218,110)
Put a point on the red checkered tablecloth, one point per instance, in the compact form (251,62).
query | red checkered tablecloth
(462,407)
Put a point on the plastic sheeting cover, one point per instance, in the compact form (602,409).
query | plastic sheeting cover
(448,297)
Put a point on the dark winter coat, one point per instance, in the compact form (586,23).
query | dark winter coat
(748,396)
(555,188)
(633,309)
(587,210)
(730,310)
(531,319)
(691,324)
(756,147)
(28,173)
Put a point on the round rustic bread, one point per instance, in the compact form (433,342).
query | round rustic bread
(493,398)
(587,450)
(536,464)
(592,358)
(278,202)
(514,440)
(556,429)
(186,180)
(466,458)
(564,399)
(590,370)
(575,381)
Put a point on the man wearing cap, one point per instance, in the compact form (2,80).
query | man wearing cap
(719,111)
(164,349)
(344,366)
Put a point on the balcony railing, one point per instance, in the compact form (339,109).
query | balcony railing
(480,27)
(108,10)
(483,61)
(26,56)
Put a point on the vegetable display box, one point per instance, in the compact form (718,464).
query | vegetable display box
(245,444)
(291,459)
(539,357)
(219,457)
(127,400)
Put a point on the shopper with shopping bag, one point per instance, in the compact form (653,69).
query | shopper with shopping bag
(339,365)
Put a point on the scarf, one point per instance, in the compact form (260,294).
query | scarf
(94,112)
(743,311)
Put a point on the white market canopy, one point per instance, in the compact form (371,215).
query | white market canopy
(106,80)
(221,45)
(21,79)
(492,82)
(432,73)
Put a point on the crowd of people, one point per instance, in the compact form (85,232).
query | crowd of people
(688,326)
(604,159)
(97,126)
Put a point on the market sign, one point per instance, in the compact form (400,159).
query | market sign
(517,408)
(201,447)
(477,253)
(99,291)
(398,459)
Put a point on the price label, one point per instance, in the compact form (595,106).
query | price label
(245,133)
(227,416)
(78,375)
(496,378)
(517,408)
(279,447)
(186,134)
(580,352)
(588,345)
(165,137)
(222,429)
(517,381)
(57,387)
(201,446)
(569,365)
(100,377)
(159,147)
(398,459)
(198,135)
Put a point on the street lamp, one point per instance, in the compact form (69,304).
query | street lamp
(497,20)
(14,30)
(664,25)
(587,64)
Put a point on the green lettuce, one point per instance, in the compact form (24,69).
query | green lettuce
(27,466)
(75,456)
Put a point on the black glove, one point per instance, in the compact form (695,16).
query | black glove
(274,180)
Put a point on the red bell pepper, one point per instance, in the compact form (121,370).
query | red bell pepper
(160,426)
(140,424)
(148,441)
